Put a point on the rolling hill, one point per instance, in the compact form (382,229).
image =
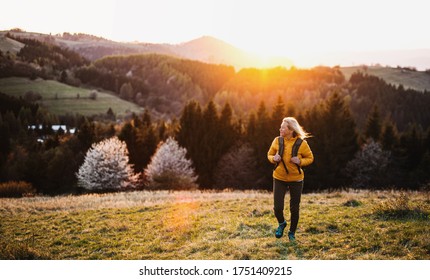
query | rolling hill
(9,45)
(61,99)
(417,80)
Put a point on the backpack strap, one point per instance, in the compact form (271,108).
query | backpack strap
(281,145)
(295,150)
(280,149)
(281,152)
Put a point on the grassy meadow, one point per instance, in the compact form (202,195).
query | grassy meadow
(417,80)
(214,225)
(60,98)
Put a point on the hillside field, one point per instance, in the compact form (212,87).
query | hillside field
(60,98)
(417,80)
(215,226)
(9,45)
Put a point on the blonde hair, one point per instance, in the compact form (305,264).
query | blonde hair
(294,125)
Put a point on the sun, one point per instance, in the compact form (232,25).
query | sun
(267,29)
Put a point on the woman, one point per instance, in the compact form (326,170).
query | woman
(288,173)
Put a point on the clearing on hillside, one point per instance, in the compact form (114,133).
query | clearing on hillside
(61,99)
(417,80)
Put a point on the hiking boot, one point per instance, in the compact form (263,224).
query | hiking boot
(280,231)
(291,236)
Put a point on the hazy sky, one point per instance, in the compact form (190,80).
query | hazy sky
(270,27)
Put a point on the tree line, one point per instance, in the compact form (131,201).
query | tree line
(225,152)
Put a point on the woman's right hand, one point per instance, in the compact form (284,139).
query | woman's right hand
(277,158)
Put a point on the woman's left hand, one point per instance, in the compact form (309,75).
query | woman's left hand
(295,160)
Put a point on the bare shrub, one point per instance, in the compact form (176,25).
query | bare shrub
(16,189)
(93,95)
(236,169)
(400,207)
(369,166)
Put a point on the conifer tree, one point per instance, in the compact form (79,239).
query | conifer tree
(146,118)
(411,147)
(263,134)
(426,144)
(146,145)
(190,128)
(313,123)
(141,140)
(228,132)
(190,134)
(338,142)
(128,134)
(421,174)
(389,136)
(261,142)
(373,126)
(5,140)
(170,169)
(251,127)
(278,113)
(209,145)
(86,134)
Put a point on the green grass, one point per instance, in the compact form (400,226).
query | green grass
(208,225)
(60,98)
(417,80)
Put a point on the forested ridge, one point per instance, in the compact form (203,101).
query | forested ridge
(214,111)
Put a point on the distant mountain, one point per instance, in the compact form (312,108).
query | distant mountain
(206,49)
(212,50)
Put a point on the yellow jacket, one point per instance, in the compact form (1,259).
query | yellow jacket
(304,154)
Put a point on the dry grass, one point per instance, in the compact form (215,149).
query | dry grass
(400,207)
(116,200)
(210,225)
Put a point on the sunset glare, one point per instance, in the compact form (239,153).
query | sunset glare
(300,30)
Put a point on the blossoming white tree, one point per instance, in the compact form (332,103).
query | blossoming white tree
(106,167)
(169,168)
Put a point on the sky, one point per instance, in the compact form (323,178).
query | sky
(292,28)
